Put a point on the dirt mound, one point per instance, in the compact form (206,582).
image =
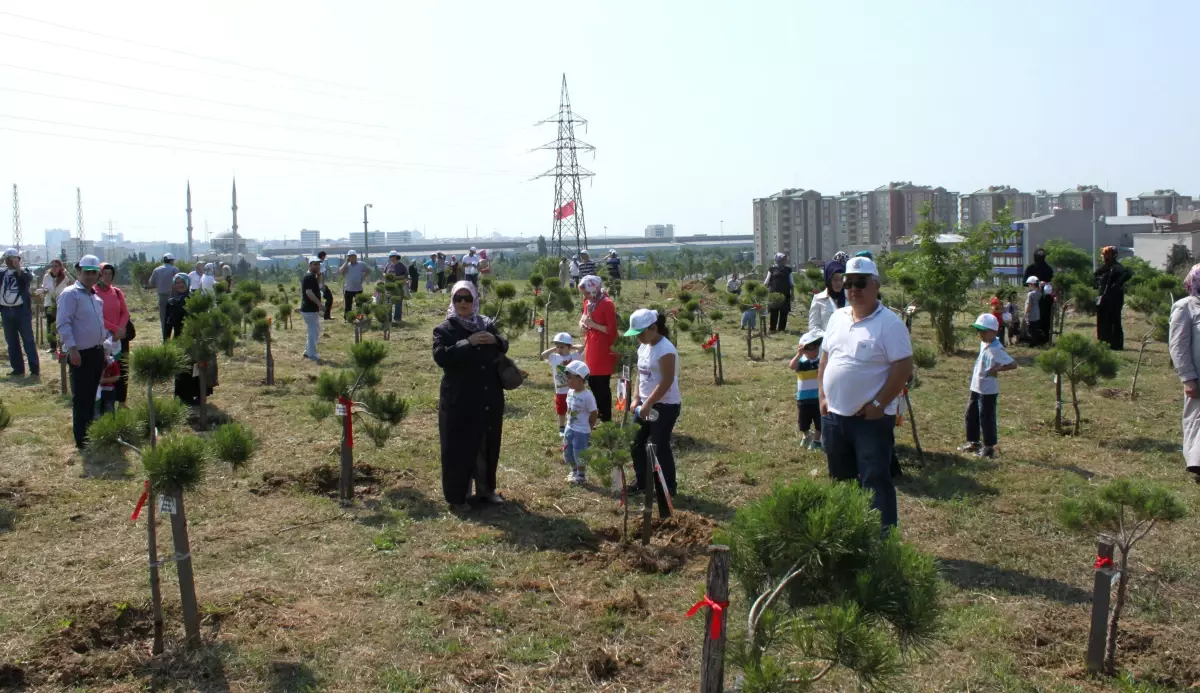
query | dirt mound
(632,604)
(323,479)
(693,286)
(653,559)
(601,665)
(99,641)
(16,494)
(685,530)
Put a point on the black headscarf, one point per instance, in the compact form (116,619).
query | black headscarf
(1040,268)
(832,268)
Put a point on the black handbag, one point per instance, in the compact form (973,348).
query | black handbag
(511,377)
(130,331)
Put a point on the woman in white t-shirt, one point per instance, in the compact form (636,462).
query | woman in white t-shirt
(656,401)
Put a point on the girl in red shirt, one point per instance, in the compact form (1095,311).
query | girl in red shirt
(116,321)
(599,325)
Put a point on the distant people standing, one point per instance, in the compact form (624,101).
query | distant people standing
(1185,355)
(452,270)
(82,334)
(441,272)
(353,273)
(779,280)
(599,325)
(227,275)
(574,271)
(326,293)
(1045,273)
(828,301)
(55,281)
(470,265)
(201,279)
(414,273)
(431,272)
(587,267)
(117,322)
(395,266)
(1110,280)
(16,311)
(310,307)
(1033,312)
(614,265)
(161,280)
(734,285)
(564,273)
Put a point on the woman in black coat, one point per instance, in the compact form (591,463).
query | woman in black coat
(471,402)
(1044,272)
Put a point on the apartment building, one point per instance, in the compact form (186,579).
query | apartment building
(1159,203)
(666,231)
(1105,203)
(893,211)
(983,204)
(794,221)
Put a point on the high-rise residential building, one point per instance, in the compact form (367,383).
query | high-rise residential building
(310,240)
(794,221)
(666,231)
(847,215)
(377,239)
(55,240)
(1160,203)
(892,211)
(1045,203)
(983,204)
(1105,203)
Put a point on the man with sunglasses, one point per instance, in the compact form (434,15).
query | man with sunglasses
(866,358)
(81,334)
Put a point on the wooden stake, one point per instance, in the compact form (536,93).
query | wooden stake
(648,503)
(720,364)
(712,660)
(155,585)
(1101,591)
(346,480)
(183,567)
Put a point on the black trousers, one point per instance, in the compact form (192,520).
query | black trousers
(981,414)
(85,378)
(1046,309)
(349,296)
(441,280)
(1108,326)
(779,317)
(328,296)
(601,387)
(809,415)
(658,432)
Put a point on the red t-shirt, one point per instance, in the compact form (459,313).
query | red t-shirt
(597,346)
(112,370)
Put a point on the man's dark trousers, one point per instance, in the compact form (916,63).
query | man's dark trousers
(858,448)
(85,378)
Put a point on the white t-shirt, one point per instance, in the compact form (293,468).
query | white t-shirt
(650,373)
(989,355)
(202,283)
(558,366)
(470,264)
(580,405)
(860,356)
(51,289)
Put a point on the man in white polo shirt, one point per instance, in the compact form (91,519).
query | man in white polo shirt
(866,358)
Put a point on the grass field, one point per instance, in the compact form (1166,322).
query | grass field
(397,594)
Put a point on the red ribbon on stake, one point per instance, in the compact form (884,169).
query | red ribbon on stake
(718,613)
(137,512)
(348,420)
(1102,562)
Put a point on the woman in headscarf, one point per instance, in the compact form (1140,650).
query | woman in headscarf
(187,385)
(116,321)
(829,300)
(599,325)
(1044,272)
(54,282)
(1185,354)
(176,311)
(471,402)
(452,268)
(780,280)
(1110,280)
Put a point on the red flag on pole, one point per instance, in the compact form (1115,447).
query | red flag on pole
(565,211)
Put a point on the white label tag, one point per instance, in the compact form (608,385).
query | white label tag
(1115,576)
(166,504)
(339,409)
(616,480)
(541,328)
(196,371)
(622,388)
(625,372)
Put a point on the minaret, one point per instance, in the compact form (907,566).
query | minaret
(189,215)
(235,242)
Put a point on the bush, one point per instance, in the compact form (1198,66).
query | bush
(158,363)
(368,354)
(115,427)
(5,416)
(924,357)
(233,443)
(176,464)
(168,414)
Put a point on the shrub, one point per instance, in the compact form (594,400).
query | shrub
(168,414)
(176,464)
(233,443)
(115,427)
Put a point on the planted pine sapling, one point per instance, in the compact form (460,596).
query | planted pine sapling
(504,292)
(1153,301)
(341,388)
(1126,510)
(1080,361)
(609,452)
(5,416)
(708,337)
(826,589)
(262,333)
(227,305)
(206,332)
(558,298)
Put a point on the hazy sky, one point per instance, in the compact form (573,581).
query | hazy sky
(426,109)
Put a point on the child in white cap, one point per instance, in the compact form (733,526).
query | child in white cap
(1033,312)
(559,356)
(806,362)
(985,389)
(583,415)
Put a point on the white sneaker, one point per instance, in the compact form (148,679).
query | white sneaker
(571,478)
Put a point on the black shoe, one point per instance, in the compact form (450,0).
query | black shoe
(634,488)
(14,374)
(35,374)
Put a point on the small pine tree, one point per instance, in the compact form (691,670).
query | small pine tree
(610,450)
(826,589)
(206,333)
(1078,360)
(1126,510)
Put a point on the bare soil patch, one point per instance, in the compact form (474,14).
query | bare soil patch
(323,479)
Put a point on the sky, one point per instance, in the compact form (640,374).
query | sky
(427,110)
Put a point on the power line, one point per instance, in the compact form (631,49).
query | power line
(193,98)
(430,167)
(236,121)
(209,151)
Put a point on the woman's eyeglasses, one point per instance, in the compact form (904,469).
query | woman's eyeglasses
(857,282)
(463,298)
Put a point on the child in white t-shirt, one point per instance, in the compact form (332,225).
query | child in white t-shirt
(582,414)
(985,389)
(558,356)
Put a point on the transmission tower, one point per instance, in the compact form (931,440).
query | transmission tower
(568,229)
(78,224)
(189,217)
(16,219)
(235,244)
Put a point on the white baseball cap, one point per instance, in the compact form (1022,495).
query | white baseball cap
(472,249)
(579,368)
(563,338)
(89,263)
(394,253)
(313,258)
(12,252)
(813,335)
(986,321)
(167,257)
(352,252)
(640,320)
(861,265)
(1032,280)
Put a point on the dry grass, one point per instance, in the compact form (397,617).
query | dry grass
(399,595)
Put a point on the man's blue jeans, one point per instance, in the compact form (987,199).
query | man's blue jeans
(856,448)
(18,329)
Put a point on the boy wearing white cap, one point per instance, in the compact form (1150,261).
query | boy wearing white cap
(583,413)
(985,389)
(806,362)
(559,357)
(1033,312)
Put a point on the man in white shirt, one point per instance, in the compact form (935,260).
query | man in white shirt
(201,279)
(470,264)
(866,358)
